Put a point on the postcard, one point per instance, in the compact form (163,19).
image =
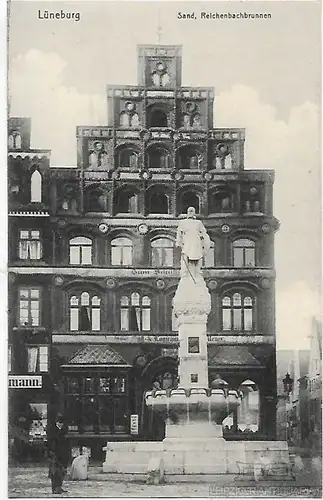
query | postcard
(164,249)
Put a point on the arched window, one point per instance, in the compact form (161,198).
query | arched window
(124,119)
(158,158)
(220,201)
(135,312)
(121,252)
(158,118)
(80,251)
(209,258)
(190,199)
(228,162)
(162,252)
(244,253)
(196,121)
(126,202)
(85,313)
(158,203)
(128,158)
(237,312)
(36,187)
(14,141)
(186,121)
(134,121)
(190,158)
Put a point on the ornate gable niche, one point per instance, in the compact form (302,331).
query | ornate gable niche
(192,114)
(19,131)
(159,66)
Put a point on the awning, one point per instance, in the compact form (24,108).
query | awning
(96,356)
(233,356)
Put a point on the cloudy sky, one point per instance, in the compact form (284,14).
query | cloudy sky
(266,75)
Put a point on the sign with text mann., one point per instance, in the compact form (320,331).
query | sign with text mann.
(25,381)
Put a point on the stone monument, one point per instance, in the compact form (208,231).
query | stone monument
(193,412)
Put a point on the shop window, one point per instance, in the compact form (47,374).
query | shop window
(237,312)
(126,202)
(97,403)
(29,306)
(209,258)
(135,312)
(162,252)
(36,187)
(121,252)
(30,245)
(80,251)
(37,358)
(37,430)
(85,312)
(243,253)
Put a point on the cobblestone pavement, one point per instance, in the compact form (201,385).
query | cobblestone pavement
(33,482)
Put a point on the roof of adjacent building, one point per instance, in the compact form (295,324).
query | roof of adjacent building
(233,355)
(97,355)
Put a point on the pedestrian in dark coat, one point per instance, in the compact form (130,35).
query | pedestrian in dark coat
(58,451)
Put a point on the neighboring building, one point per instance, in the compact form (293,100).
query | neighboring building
(315,388)
(299,414)
(292,408)
(93,266)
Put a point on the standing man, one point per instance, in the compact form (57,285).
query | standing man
(194,242)
(58,454)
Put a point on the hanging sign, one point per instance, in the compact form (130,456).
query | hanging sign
(134,424)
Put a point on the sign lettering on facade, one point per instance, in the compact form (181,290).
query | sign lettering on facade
(25,382)
(134,424)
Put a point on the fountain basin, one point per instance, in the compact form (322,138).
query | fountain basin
(212,405)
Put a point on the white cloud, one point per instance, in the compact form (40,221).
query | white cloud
(37,91)
(289,147)
(295,307)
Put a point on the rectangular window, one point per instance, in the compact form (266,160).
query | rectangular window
(37,359)
(226,316)
(247,319)
(29,307)
(96,315)
(124,317)
(146,319)
(249,257)
(237,319)
(116,256)
(30,247)
(9,358)
(238,257)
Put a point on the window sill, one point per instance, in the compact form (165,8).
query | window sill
(30,327)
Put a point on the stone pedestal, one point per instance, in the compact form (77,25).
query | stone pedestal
(192,304)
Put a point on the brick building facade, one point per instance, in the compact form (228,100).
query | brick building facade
(93,267)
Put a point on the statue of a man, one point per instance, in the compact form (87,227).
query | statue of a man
(194,242)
